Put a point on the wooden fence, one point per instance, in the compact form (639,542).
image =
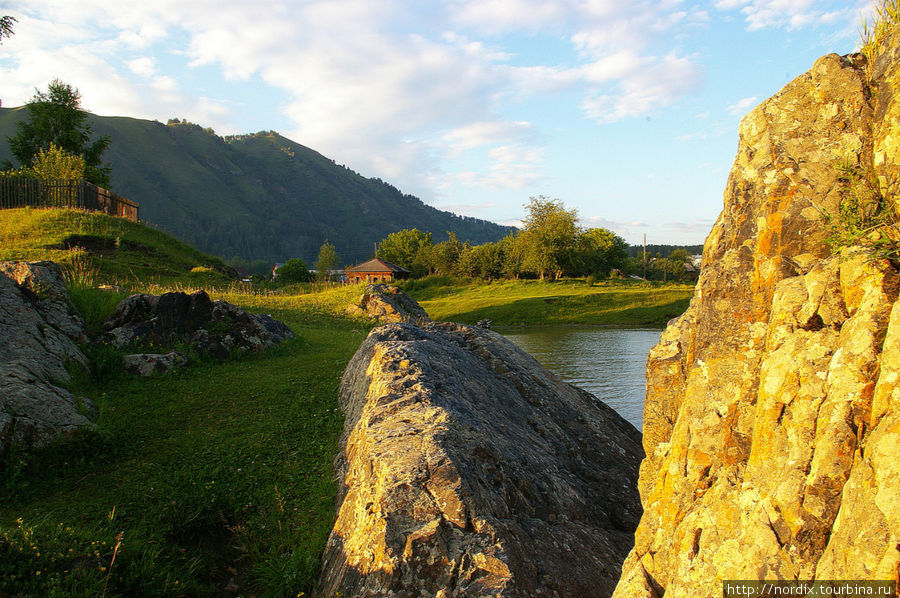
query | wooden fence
(18,192)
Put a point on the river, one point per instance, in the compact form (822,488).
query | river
(607,362)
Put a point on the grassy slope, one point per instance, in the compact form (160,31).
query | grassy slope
(530,302)
(113,250)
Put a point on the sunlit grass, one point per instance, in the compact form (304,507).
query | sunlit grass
(216,474)
(532,302)
(873,33)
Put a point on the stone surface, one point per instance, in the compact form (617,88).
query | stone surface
(388,304)
(771,418)
(147,364)
(469,470)
(38,336)
(214,327)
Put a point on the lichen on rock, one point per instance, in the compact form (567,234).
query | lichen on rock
(469,470)
(770,422)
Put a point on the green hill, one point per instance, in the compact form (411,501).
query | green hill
(257,197)
(96,248)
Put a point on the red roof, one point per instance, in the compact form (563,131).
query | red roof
(376,265)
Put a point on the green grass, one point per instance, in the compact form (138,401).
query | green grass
(95,248)
(213,473)
(532,302)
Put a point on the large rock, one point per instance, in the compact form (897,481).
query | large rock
(388,304)
(771,419)
(39,333)
(469,470)
(216,327)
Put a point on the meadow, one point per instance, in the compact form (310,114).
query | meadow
(620,302)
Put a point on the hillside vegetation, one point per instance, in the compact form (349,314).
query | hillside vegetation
(257,197)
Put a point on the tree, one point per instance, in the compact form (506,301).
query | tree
(549,237)
(600,250)
(408,248)
(328,260)
(56,117)
(445,255)
(56,163)
(6,27)
(293,270)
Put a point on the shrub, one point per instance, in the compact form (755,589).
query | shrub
(294,270)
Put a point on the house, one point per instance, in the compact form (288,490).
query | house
(375,271)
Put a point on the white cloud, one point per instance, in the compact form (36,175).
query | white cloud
(143,66)
(789,14)
(655,86)
(742,106)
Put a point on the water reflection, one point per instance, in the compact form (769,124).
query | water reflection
(607,362)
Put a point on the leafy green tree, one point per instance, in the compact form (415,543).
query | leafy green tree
(445,255)
(292,271)
(548,240)
(56,117)
(600,250)
(483,261)
(56,163)
(409,248)
(328,260)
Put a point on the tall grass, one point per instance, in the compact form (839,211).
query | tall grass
(873,33)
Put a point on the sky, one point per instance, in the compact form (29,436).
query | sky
(626,110)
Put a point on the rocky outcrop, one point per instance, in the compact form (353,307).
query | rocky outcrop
(39,333)
(388,304)
(214,327)
(469,470)
(772,418)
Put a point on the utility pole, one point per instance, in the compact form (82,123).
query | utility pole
(645,256)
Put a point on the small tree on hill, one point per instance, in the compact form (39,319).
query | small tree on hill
(328,260)
(56,163)
(56,117)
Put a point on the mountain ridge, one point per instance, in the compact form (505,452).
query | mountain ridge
(259,196)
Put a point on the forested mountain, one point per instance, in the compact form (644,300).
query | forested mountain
(259,196)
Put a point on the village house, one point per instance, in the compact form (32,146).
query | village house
(374,271)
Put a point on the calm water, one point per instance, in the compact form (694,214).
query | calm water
(607,362)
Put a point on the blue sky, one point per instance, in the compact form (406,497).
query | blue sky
(627,111)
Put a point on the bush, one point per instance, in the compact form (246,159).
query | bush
(293,271)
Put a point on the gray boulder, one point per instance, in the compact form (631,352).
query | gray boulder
(38,336)
(467,469)
(214,327)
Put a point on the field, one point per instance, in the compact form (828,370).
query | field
(532,302)
(214,479)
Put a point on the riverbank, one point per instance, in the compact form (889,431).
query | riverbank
(534,302)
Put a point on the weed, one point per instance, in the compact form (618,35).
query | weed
(867,215)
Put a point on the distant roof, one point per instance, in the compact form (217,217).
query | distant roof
(376,265)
